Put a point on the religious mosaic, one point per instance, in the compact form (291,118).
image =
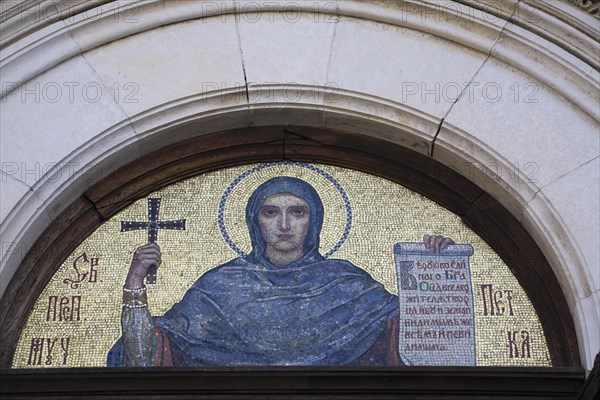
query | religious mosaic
(283,264)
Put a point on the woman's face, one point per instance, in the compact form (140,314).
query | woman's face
(284,220)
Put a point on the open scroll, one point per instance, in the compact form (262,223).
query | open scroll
(437,325)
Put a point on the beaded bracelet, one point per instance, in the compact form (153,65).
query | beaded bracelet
(135,298)
(136,290)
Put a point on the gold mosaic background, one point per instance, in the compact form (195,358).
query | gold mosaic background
(384,213)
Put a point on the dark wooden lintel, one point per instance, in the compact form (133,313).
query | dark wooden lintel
(297,383)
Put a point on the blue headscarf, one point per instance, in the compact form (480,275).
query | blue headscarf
(295,187)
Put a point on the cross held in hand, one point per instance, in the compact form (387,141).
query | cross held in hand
(152,226)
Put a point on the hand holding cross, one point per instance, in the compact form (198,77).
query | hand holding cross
(147,258)
(145,261)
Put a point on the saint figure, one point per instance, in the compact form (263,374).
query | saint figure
(282,304)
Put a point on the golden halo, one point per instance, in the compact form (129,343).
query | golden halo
(232,218)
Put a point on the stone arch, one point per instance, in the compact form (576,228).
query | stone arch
(328,70)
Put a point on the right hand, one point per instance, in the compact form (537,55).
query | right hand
(437,243)
(144,257)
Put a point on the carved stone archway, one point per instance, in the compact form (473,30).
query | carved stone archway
(482,139)
(478,210)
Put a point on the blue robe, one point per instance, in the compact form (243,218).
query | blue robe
(250,312)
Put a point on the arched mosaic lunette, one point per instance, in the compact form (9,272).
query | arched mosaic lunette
(417,172)
(464,308)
